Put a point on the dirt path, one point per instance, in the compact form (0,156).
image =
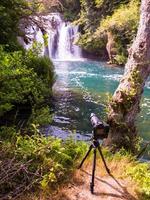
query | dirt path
(106,188)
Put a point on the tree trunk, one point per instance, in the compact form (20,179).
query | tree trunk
(111,47)
(125,104)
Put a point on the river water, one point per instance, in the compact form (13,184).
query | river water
(82,86)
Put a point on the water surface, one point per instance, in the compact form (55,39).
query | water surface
(83,87)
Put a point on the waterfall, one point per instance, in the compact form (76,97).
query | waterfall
(67,50)
(61,37)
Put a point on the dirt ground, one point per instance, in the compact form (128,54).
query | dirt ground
(106,188)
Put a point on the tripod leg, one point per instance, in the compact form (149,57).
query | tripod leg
(93,172)
(100,151)
(90,148)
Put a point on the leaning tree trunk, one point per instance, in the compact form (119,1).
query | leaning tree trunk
(125,104)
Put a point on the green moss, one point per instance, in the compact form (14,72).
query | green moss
(128,96)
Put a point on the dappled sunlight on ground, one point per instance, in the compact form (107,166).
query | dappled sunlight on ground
(107,187)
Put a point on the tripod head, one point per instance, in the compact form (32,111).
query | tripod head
(100,128)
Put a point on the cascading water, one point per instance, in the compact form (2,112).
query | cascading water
(61,41)
(67,50)
(60,36)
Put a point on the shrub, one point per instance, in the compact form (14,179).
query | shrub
(36,162)
(26,82)
(11,12)
(140,173)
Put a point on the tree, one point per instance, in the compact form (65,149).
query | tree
(125,103)
(10,13)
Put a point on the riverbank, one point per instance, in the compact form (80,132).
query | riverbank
(46,168)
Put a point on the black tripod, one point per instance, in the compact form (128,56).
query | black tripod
(95,145)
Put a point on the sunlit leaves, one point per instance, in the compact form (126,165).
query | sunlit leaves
(126,17)
(24,78)
(141,174)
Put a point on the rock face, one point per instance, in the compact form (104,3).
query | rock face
(111,47)
(56,36)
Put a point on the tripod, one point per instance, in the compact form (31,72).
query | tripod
(95,145)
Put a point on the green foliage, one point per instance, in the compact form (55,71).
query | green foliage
(7,133)
(92,44)
(118,156)
(92,12)
(120,59)
(125,17)
(71,8)
(41,116)
(45,37)
(26,79)
(99,16)
(99,3)
(10,13)
(140,173)
(50,160)
(42,66)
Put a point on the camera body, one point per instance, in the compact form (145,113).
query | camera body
(100,128)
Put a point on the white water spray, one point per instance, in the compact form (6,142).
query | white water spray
(61,37)
(67,50)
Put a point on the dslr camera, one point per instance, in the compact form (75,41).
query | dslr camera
(100,128)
